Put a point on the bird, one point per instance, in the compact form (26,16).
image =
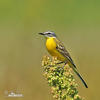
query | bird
(56,49)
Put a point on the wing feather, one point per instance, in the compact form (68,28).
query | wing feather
(60,47)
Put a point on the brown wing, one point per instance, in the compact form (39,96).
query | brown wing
(60,47)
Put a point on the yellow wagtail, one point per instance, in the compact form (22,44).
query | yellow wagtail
(57,49)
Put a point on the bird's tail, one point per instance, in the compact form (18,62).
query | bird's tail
(75,70)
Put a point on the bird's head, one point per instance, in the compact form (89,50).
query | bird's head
(48,34)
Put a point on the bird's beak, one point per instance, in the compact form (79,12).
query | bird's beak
(41,33)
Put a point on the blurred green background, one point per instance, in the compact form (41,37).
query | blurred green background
(77,24)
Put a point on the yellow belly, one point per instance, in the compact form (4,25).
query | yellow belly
(51,47)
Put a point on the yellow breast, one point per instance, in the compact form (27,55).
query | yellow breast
(51,47)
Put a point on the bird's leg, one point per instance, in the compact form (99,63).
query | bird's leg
(60,62)
(64,65)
